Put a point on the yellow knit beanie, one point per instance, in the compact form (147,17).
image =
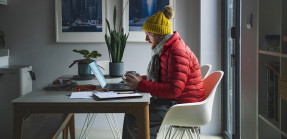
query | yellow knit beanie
(159,22)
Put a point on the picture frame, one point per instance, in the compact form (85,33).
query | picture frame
(80,30)
(137,35)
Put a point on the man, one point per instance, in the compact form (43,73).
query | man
(173,74)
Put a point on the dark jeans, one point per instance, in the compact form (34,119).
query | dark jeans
(157,109)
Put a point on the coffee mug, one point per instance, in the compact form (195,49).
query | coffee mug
(131,72)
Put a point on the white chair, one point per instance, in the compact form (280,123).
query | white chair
(186,118)
(205,69)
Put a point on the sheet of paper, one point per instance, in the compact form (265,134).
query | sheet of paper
(88,94)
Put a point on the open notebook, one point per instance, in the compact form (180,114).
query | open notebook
(114,95)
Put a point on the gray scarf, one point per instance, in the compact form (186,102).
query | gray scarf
(153,69)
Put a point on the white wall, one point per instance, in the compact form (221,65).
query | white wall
(248,71)
(187,21)
(210,53)
(30,35)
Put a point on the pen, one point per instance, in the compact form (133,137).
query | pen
(129,92)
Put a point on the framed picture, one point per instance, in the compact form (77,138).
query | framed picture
(137,11)
(80,21)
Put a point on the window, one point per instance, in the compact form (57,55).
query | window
(231,68)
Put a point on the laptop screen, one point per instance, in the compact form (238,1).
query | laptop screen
(98,73)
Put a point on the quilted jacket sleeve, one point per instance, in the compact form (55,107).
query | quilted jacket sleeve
(174,72)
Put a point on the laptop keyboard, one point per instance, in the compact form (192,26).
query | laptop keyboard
(114,86)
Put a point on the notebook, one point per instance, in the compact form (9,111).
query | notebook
(103,82)
(114,95)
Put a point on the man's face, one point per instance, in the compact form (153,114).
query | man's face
(153,38)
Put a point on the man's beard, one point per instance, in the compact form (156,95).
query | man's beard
(154,44)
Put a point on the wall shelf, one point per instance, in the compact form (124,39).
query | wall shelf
(272,53)
(269,53)
(269,122)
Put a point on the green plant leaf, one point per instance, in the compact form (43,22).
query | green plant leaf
(108,45)
(116,42)
(94,54)
(108,24)
(115,17)
(87,55)
(74,62)
(83,51)
(77,61)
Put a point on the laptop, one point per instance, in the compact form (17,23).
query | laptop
(103,82)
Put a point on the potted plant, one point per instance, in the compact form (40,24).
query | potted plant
(2,41)
(116,43)
(83,64)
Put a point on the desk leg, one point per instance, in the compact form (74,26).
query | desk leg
(142,118)
(18,121)
(72,127)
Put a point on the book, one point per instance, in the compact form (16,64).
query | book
(114,95)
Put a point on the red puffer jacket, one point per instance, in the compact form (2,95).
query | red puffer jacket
(180,76)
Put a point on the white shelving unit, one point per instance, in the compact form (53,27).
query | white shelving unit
(15,81)
(272,65)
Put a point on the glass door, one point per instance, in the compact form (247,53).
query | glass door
(231,68)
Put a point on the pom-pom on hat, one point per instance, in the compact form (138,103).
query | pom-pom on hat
(159,22)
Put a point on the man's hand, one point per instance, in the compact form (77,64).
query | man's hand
(132,81)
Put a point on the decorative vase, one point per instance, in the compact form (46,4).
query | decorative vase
(84,70)
(116,69)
